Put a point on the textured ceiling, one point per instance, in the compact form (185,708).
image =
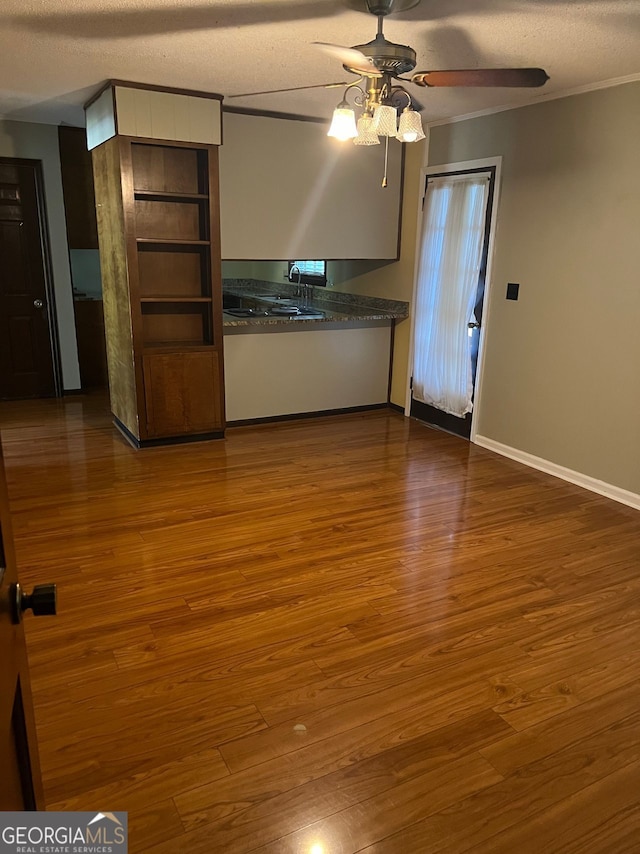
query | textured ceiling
(55,53)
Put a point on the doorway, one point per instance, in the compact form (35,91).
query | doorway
(29,360)
(454,253)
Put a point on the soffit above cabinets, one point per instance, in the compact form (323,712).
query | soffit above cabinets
(129,110)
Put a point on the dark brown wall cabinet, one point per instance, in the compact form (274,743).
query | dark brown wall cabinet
(159,232)
(77,187)
(82,233)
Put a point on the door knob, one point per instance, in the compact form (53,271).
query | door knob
(475,325)
(42,601)
(38,303)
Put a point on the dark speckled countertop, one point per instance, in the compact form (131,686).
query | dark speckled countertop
(336,307)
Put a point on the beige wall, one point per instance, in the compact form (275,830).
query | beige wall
(391,280)
(280,371)
(562,372)
(266,271)
(40,142)
(388,279)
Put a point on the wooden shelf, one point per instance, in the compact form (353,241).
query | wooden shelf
(162,241)
(172,277)
(174,299)
(179,346)
(162,195)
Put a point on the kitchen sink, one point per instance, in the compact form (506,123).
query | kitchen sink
(288,313)
(246,312)
(295,312)
(284,306)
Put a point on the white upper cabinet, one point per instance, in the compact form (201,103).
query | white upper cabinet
(288,191)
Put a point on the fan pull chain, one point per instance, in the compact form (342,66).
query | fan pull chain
(386,160)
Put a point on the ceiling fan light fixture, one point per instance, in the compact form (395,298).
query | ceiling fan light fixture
(384,120)
(343,123)
(366,134)
(410,126)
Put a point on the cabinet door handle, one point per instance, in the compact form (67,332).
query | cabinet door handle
(38,303)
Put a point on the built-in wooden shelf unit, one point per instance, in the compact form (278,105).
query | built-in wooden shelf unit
(158,225)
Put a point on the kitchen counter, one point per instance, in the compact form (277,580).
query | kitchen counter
(331,306)
(282,366)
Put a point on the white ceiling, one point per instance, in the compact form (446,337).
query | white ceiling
(55,53)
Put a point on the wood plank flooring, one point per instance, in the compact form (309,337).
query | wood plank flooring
(352,634)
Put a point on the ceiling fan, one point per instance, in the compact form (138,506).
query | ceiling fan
(382,62)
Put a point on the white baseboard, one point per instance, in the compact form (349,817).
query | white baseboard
(631,499)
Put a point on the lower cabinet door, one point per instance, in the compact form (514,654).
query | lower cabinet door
(183,394)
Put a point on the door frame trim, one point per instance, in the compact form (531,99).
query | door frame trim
(47,265)
(462,167)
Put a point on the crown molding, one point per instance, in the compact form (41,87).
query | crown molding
(273,114)
(552,96)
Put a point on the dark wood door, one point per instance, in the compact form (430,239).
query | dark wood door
(26,352)
(20,783)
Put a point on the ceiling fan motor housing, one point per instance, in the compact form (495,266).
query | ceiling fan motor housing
(390,58)
(386,7)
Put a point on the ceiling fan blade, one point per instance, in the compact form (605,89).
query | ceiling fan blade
(291,89)
(524,77)
(352,58)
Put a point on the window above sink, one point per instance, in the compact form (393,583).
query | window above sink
(311,272)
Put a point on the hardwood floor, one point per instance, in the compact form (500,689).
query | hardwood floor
(351,634)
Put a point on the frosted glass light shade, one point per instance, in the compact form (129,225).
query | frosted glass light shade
(410,126)
(384,120)
(366,136)
(343,124)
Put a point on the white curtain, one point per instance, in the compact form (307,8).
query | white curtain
(453,229)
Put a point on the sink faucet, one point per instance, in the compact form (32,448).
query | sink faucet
(298,290)
(304,291)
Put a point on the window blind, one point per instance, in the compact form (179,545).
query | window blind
(311,268)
